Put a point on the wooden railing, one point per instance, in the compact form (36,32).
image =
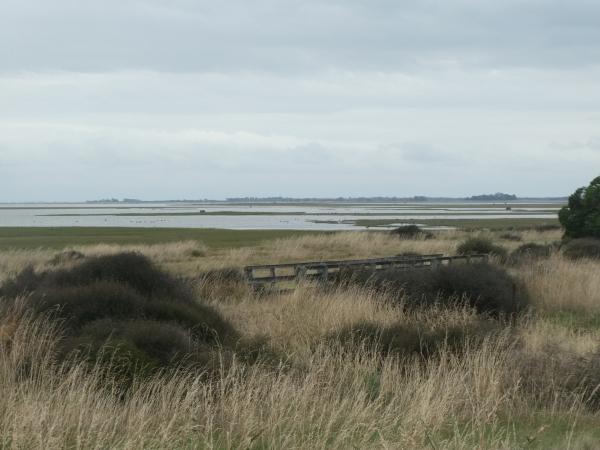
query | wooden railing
(321,270)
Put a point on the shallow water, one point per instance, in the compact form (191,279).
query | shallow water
(281,216)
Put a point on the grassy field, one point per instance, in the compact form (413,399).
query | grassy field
(525,383)
(60,237)
(471,224)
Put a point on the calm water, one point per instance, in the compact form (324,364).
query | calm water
(57,215)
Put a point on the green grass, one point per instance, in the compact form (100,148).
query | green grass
(538,430)
(574,320)
(188,213)
(60,237)
(493,224)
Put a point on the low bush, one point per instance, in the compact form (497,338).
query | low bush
(410,232)
(547,227)
(511,237)
(412,339)
(582,248)
(410,255)
(530,251)
(488,288)
(122,306)
(128,268)
(481,246)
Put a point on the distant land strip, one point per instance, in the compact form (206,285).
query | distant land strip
(301,213)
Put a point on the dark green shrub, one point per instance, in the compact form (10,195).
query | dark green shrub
(25,281)
(407,339)
(129,269)
(474,246)
(581,217)
(582,248)
(410,232)
(489,289)
(530,251)
(154,344)
(410,255)
(547,227)
(122,306)
(80,305)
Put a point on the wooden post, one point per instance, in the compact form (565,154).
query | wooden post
(324,274)
(300,272)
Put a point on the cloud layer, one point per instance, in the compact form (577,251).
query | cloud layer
(194,99)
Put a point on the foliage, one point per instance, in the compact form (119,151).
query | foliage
(582,248)
(511,237)
(488,288)
(581,217)
(530,251)
(413,338)
(410,232)
(481,246)
(122,306)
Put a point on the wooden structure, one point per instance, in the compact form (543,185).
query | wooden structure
(321,270)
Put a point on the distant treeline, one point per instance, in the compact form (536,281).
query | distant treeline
(497,197)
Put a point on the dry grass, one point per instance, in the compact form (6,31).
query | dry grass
(325,395)
(338,400)
(562,284)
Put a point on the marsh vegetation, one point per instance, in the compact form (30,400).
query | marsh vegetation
(164,345)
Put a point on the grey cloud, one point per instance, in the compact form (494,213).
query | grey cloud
(294,36)
(592,144)
(420,152)
(197,98)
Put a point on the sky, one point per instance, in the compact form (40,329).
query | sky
(157,99)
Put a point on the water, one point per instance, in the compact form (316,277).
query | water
(337,216)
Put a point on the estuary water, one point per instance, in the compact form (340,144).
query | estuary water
(322,216)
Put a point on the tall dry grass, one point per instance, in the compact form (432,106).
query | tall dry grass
(323,395)
(562,284)
(191,257)
(339,399)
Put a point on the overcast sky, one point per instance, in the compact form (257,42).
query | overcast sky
(160,99)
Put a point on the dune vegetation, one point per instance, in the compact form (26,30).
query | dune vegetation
(166,346)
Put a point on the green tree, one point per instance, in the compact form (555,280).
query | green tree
(581,218)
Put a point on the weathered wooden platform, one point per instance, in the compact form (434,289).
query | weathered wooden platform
(321,270)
